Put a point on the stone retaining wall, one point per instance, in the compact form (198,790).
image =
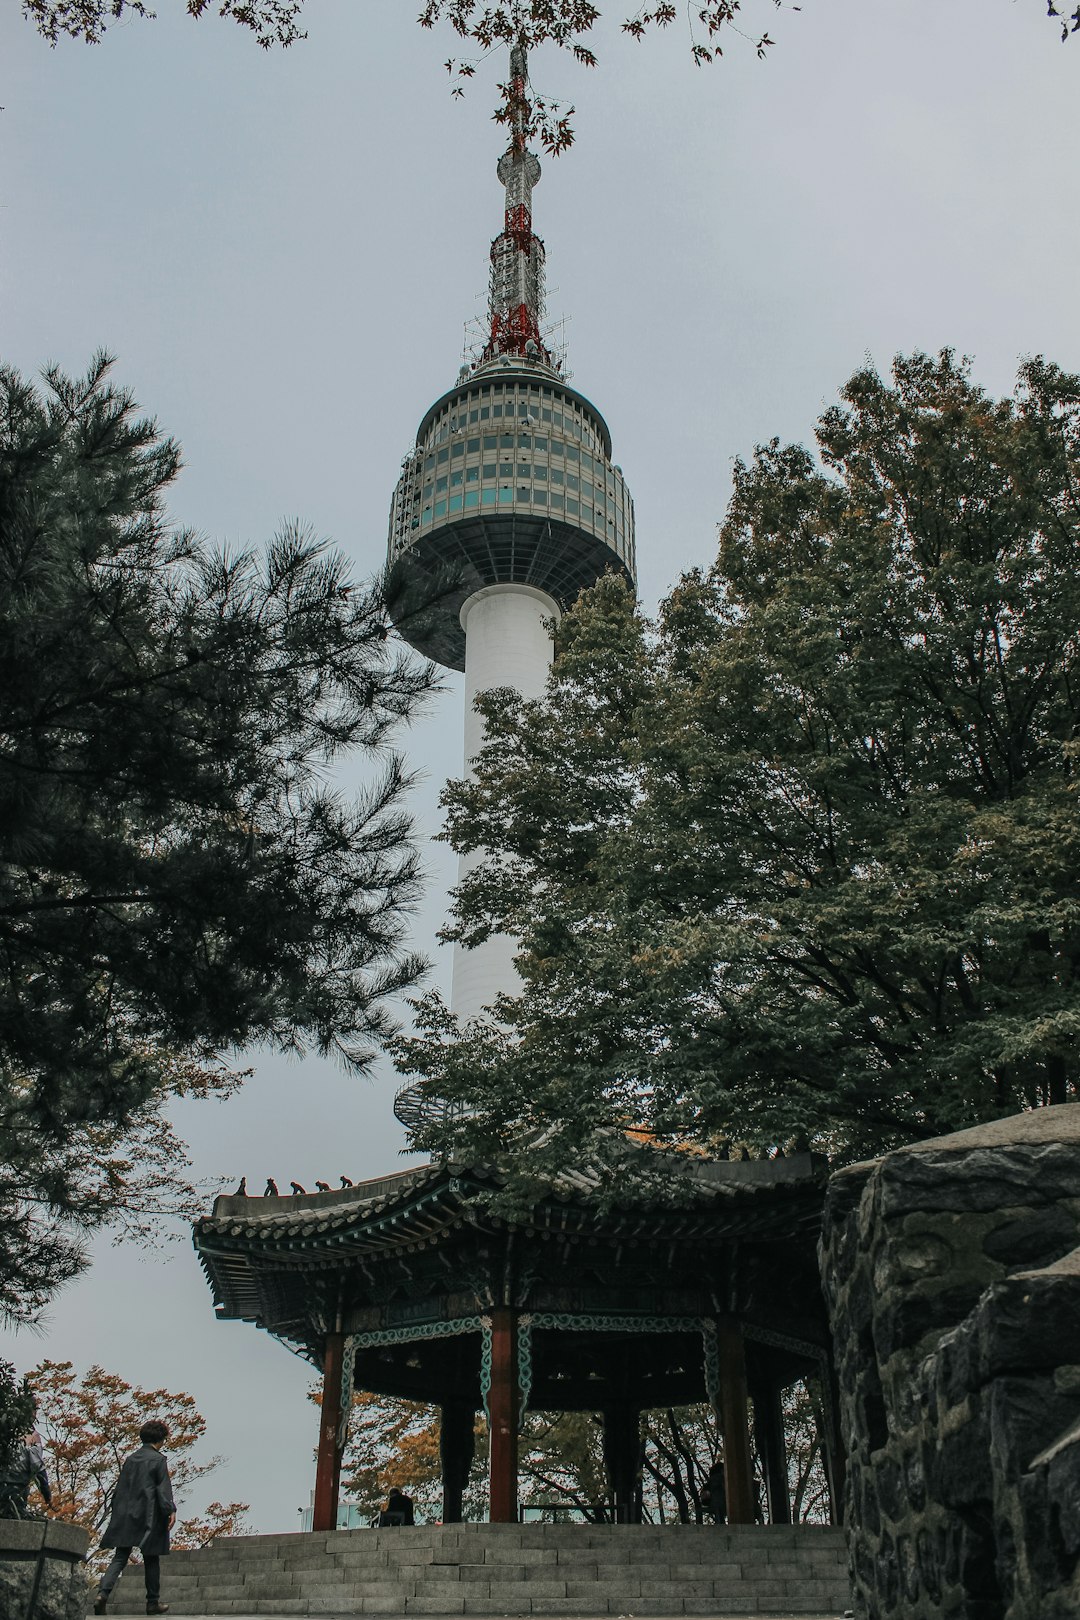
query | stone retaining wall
(953,1281)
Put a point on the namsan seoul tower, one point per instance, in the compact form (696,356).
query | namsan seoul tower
(507,507)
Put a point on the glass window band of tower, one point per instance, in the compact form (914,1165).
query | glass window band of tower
(491,378)
(528,496)
(546,451)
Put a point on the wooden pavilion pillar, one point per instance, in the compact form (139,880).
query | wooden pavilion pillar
(328,1457)
(732,1413)
(772,1449)
(457,1446)
(622,1458)
(503,1400)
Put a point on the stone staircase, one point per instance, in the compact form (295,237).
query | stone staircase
(506,1569)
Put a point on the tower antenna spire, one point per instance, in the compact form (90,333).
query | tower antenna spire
(508,505)
(516,287)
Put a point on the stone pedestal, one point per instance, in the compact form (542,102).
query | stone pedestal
(42,1570)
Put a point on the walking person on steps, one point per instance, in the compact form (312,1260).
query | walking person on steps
(143,1513)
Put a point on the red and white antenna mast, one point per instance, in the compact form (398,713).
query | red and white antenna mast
(516,290)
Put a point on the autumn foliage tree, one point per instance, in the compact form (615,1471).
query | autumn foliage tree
(561,1460)
(483,25)
(271,22)
(90,1424)
(804,1428)
(392,1442)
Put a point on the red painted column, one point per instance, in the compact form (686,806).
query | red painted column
(328,1457)
(738,1464)
(503,1399)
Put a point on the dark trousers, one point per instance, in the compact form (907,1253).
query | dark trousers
(13,1501)
(151,1573)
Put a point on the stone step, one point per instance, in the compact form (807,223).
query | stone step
(556,1570)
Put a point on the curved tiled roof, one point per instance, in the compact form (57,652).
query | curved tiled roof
(379,1212)
(272,1260)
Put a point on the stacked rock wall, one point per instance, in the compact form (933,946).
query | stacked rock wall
(953,1278)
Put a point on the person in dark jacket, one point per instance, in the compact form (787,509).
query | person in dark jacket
(27,1468)
(714,1496)
(398,1509)
(143,1513)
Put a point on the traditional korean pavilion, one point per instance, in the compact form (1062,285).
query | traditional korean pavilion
(412,1285)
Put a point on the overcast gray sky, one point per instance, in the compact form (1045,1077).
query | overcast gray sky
(282,250)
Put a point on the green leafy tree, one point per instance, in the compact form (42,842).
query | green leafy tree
(392,1442)
(804,1429)
(177,877)
(562,1459)
(395,1442)
(681,1446)
(561,1462)
(799,863)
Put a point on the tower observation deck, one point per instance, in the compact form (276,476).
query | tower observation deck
(507,507)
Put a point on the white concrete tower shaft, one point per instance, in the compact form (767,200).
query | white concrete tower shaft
(508,642)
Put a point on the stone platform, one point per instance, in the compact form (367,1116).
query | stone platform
(514,1570)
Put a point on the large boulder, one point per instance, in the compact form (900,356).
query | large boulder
(952,1273)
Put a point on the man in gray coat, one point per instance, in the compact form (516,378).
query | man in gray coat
(143,1513)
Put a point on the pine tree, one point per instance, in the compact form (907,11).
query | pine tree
(177,877)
